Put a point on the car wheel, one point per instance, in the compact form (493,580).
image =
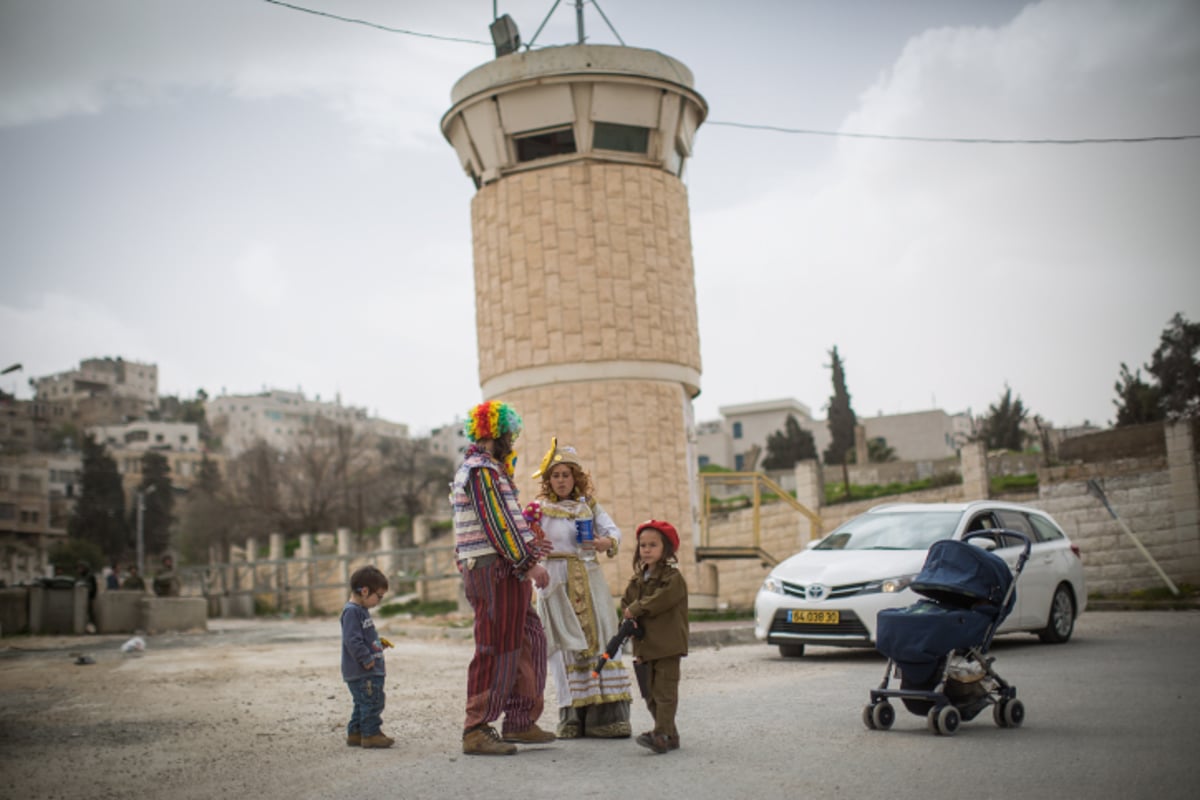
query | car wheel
(883,715)
(791,650)
(1060,623)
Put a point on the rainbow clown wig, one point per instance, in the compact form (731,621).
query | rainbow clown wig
(491,420)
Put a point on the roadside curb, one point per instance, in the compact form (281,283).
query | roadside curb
(1129,604)
(724,636)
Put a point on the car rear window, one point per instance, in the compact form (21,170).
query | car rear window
(1046,530)
(892,531)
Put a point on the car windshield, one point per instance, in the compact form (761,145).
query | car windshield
(892,531)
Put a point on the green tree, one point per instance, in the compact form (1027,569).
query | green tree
(159,498)
(1177,369)
(64,556)
(207,520)
(172,409)
(878,451)
(789,446)
(842,419)
(1137,401)
(1001,428)
(99,514)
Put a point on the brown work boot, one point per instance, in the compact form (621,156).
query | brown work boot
(378,740)
(354,739)
(531,735)
(484,741)
(654,741)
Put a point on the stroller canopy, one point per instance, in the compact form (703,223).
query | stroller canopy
(962,575)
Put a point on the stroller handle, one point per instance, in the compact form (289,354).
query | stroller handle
(992,532)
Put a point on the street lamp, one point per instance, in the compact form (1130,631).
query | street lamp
(141,527)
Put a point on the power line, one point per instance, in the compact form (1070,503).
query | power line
(376,25)
(776,128)
(953,139)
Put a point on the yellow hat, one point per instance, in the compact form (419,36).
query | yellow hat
(558,455)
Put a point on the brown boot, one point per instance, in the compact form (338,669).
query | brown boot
(354,739)
(531,735)
(653,741)
(484,741)
(378,740)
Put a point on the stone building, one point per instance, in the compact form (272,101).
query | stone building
(101,390)
(584,290)
(280,418)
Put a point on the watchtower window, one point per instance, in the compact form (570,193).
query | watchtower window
(545,143)
(626,138)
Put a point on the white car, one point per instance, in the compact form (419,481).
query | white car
(831,592)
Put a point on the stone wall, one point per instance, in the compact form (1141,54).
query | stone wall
(1152,486)
(1157,497)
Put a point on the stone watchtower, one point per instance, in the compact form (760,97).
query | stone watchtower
(585,302)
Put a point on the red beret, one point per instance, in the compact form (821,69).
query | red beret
(665,528)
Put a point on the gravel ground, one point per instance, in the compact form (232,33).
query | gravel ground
(252,707)
(256,707)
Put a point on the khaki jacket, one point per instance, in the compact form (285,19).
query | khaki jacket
(660,605)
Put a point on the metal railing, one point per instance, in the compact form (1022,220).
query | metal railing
(755,483)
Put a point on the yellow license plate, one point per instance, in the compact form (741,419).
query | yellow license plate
(813,617)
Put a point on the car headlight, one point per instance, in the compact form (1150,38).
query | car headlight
(772,585)
(888,585)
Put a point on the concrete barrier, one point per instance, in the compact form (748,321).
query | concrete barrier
(58,610)
(174,613)
(119,610)
(14,610)
(240,606)
(63,610)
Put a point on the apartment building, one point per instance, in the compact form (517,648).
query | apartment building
(37,494)
(738,440)
(100,390)
(280,418)
(144,435)
(178,442)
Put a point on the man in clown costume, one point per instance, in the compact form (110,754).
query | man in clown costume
(498,557)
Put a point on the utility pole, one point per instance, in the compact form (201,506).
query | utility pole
(141,527)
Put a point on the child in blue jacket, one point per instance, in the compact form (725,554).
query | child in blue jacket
(362,659)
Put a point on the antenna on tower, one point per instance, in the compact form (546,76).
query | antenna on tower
(580,35)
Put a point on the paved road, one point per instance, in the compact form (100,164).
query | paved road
(1112,714)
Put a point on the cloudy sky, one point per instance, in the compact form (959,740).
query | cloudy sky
(251,196)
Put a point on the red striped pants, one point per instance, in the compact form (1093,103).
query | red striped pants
(508,672)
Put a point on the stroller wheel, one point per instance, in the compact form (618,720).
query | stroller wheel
(866,716)
(1009,713)
(946,721)
(883,715)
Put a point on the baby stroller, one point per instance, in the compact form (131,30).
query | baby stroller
(938,647)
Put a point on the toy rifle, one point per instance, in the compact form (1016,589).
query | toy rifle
(628,628)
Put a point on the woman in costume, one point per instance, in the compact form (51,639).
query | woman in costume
(584,616)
